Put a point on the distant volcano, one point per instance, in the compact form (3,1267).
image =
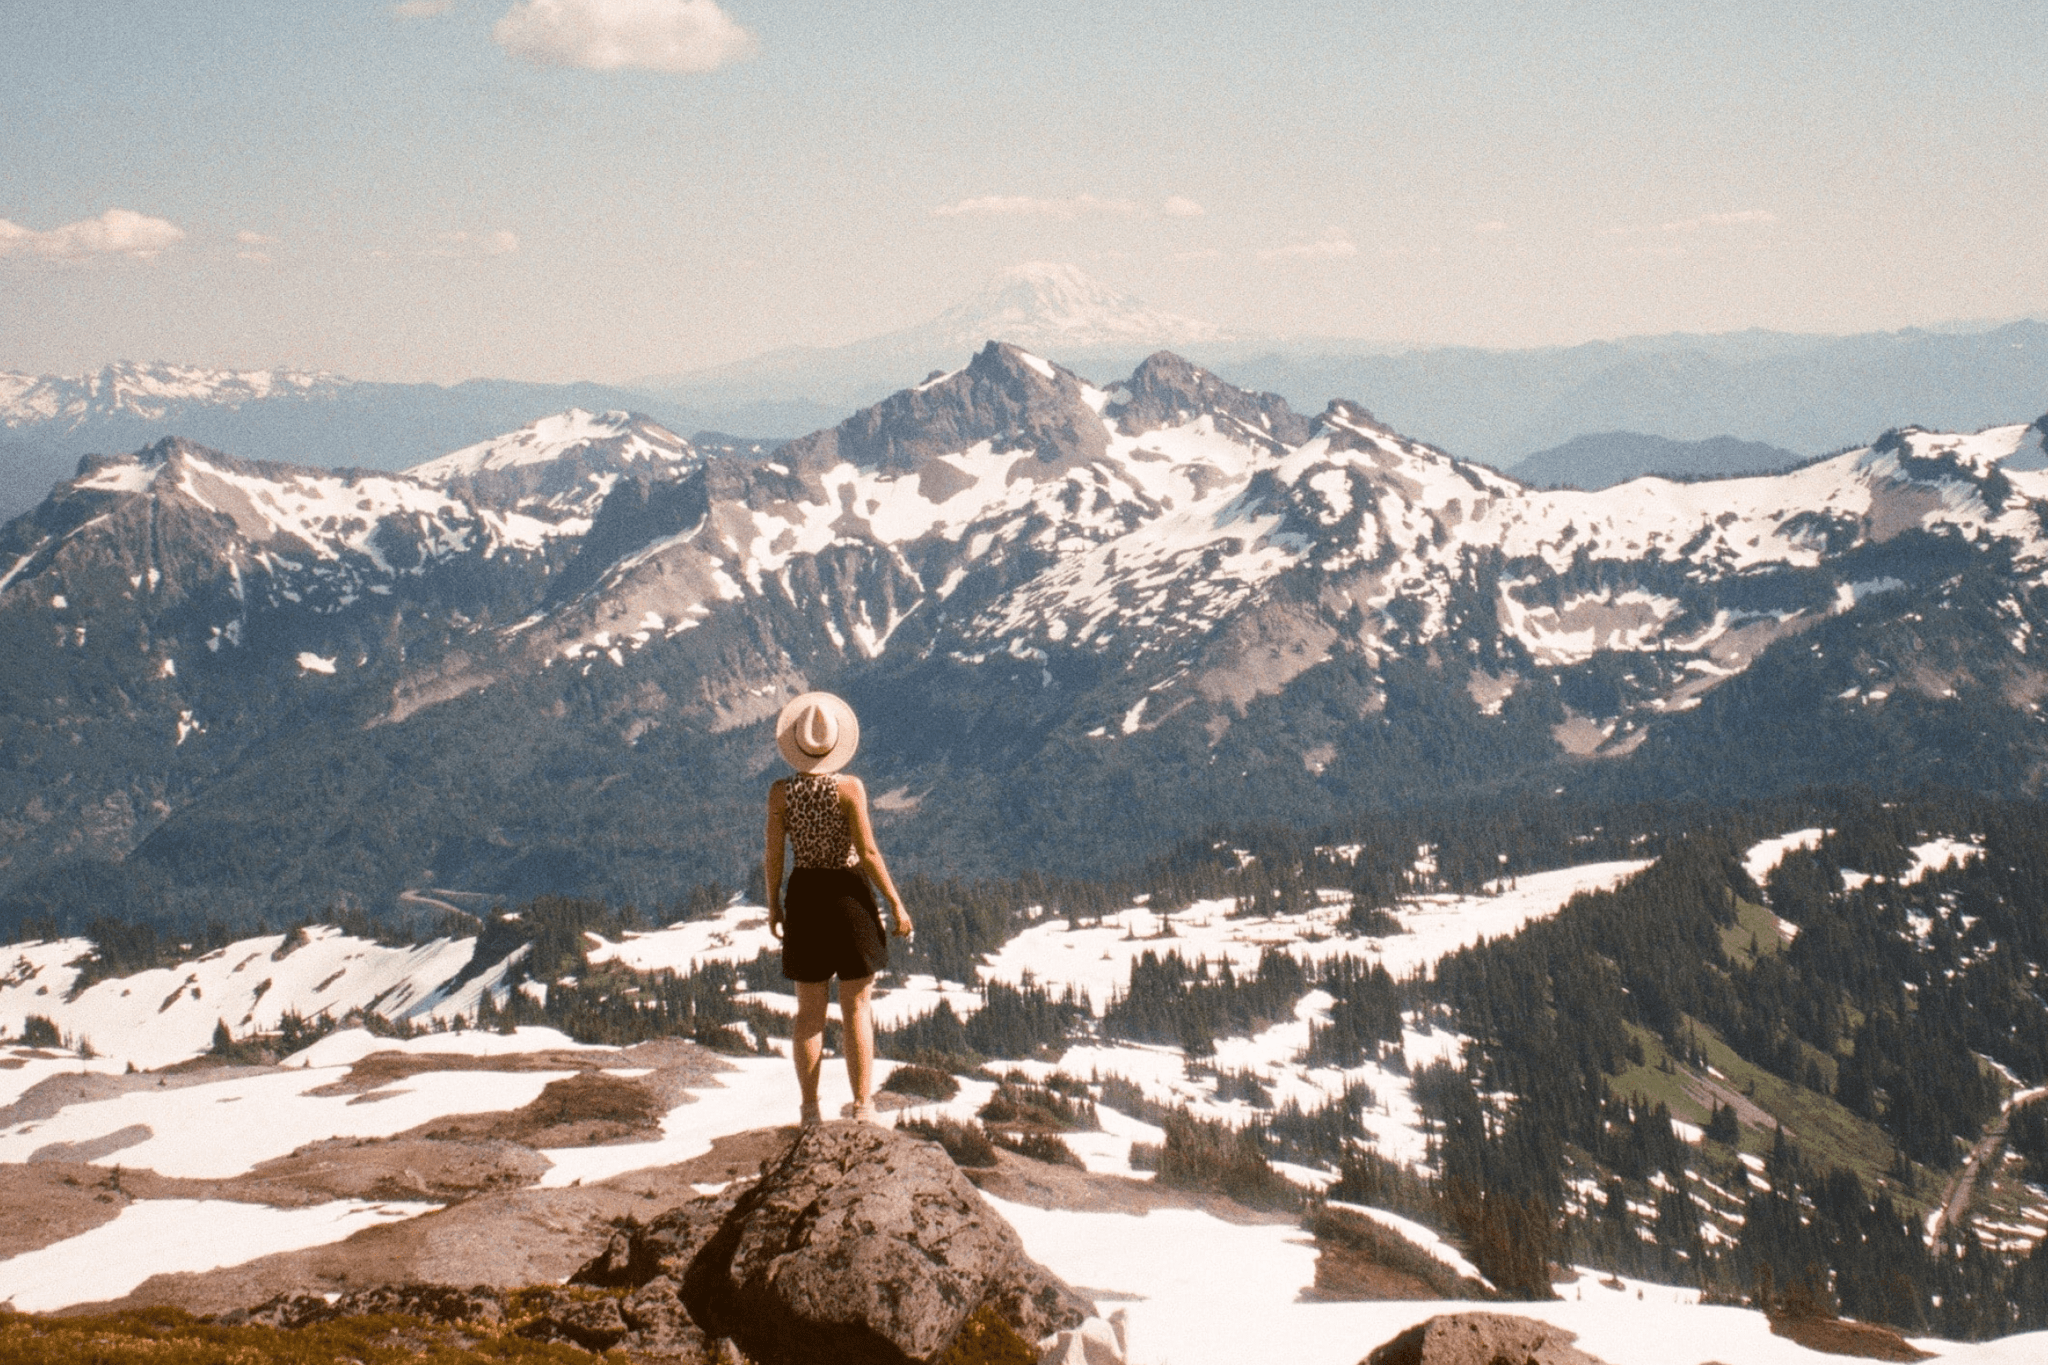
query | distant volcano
(1050,309)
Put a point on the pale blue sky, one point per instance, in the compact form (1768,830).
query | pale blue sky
(1489,173)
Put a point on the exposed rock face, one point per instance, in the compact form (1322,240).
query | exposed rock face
(862,1245)
(640,1253)
(1481,1339)
(1167,390)
(1050,588)
(1002,397)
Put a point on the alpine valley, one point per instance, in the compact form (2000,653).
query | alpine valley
(1345,877)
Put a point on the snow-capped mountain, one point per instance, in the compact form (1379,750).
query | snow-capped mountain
(49,422)
(1047,308)
(1039,591)
(1056,309)
(561,467)
(148,391)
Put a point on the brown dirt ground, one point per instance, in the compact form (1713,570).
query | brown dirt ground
(588,1109)
(684,1062)
(59,1195)
(503,1238)
(1838,1337)
(52,1093)
(1042,1185)
(1344,1274)
(48,1201)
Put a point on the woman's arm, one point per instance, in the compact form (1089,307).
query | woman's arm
(853,800)
(771,863)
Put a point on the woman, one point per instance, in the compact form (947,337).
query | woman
(828,922)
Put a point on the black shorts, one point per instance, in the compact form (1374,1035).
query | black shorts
(831,926)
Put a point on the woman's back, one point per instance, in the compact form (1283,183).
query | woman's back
(816,822)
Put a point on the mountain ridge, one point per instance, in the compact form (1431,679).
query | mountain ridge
(1603,459)
(1045,596)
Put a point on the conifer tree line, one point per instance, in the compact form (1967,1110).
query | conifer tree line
(1896,1001)
(1939,973)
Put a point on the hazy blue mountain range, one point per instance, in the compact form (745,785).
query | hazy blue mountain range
(1080,621)
(47,422)
(1607,458)
(1807,394)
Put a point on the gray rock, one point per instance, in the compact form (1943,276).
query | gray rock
(593,1324)
(639,1252)
(661,1325)
(443,1303)
(864,1245)
(1481,1339)
(1167,390)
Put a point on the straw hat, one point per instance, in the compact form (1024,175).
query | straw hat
(817,733)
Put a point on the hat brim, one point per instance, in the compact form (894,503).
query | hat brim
(833,759)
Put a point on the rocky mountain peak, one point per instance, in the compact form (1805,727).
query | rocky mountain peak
(1166,390)
(1005,396)
(563,465)
(613,439)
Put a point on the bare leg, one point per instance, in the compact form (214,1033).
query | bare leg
(807,1047)
(858,1021)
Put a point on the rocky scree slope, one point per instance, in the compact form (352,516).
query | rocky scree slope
(1051,601)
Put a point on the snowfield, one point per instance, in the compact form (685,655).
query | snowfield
(186,1131)
(166,1236)
(158,1017)
(1196,1290)
(1193,1288)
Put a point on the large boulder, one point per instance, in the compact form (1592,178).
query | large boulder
(1481,1339)
(867,1247)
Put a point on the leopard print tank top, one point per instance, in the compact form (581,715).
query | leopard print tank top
(817,827)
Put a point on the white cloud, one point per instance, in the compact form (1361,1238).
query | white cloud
(248,238)
(421,9)
(1065,209)
(1489,229)
(613,35)
(117,232)
(457,246)
(1332,245)
(1761,217)
(1740,218)
(1204,254)
(1025,206)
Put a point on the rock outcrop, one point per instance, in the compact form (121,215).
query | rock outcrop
(1481,1339)
(862,1245)
(649,1324)
(856,1244)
